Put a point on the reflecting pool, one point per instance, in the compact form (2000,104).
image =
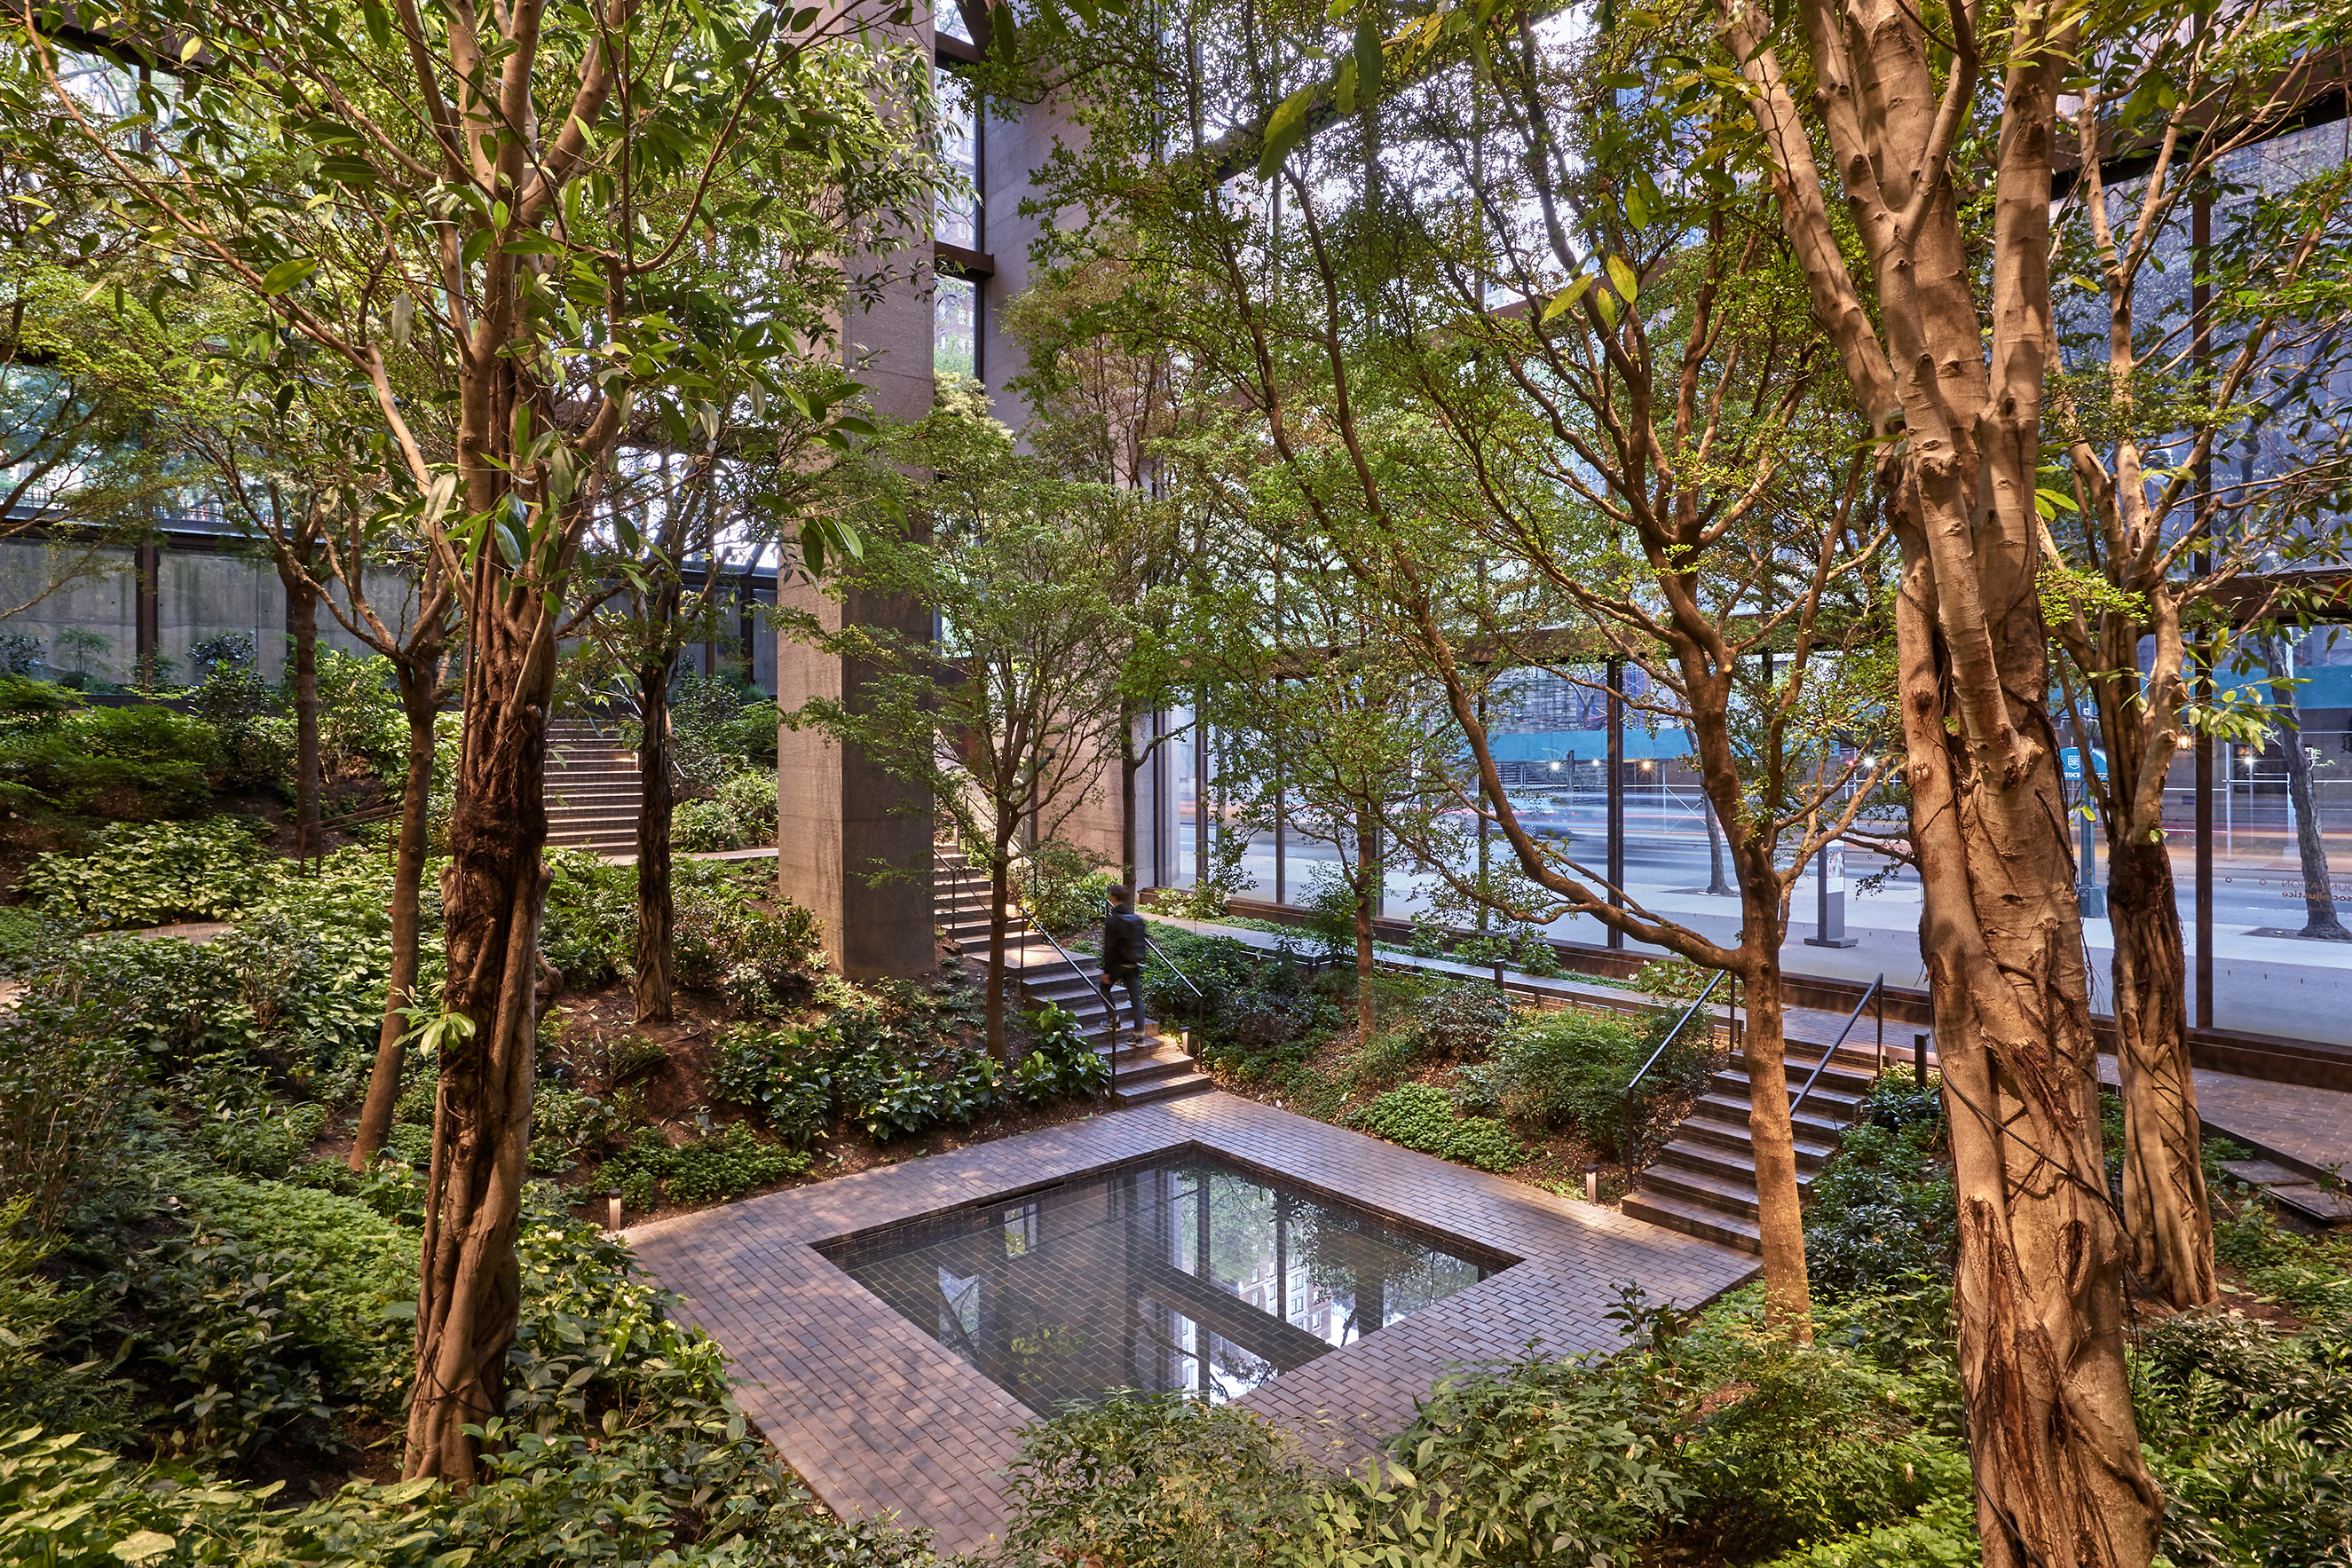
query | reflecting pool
(1182,1272)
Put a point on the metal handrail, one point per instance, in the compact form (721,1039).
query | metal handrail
(1672,1035)
(1201,996)
(1877,990)
(1028,919)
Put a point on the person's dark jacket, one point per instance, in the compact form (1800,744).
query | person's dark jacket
(1123,938)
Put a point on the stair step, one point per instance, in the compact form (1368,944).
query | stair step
(1736,1168)
(1735,1196)
(1812,1124)
(1672,1213)
(1726,1134)
(1839,1105)
(1166,1088)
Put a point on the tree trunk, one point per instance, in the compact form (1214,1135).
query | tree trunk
(496,891)
(1714,879)
(1000,895)
(1367,874)
(2319,889)
(302,619)
(657,911)
(1771,1134)
(419,677)
(2167,1220)
(2038,1286)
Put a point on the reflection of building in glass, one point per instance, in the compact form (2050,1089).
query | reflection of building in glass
(1174,1276)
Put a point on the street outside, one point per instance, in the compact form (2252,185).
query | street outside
(2275,984)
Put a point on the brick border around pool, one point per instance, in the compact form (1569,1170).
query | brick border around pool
(881,1418)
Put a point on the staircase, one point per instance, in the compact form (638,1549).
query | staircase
(592,789)
(1149,1068)
(1703,1183)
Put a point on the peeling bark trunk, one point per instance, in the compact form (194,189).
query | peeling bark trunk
(656,910)
(2319,921)
(2166,1217)
(419,678)
(496,892)
(1715,880)
(1128,766)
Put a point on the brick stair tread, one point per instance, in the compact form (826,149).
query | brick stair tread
(1810,1123)
(1732,1197)
(1672,1213)
(1839,1102)
(1721,1164)
(1167,1089)
(1726,1133)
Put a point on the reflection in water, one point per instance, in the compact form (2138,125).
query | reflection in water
(1179,1274)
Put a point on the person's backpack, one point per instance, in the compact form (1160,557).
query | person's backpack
(1123,939)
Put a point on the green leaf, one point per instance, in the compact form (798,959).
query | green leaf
(379,23)
(145,1546)
(1284,127)
(286,274)
(1623,279)
(1567,298)
(1607,305)
(403,316)
(1368,55)
(510,545)
(1343,86)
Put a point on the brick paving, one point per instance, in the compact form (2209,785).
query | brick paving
(879,1418)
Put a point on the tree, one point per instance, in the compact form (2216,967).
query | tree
(1005,719)
(2162,371)
(1547,414)
(511,190)
(1946,363)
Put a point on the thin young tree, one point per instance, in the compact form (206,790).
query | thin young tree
(2163,371)
(1004,718)
(1498,339)
(512,189)
(1946,340)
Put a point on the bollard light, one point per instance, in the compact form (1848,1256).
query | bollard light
(1592,1184)
(613,1209)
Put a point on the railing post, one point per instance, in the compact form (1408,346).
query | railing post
(1919,1058)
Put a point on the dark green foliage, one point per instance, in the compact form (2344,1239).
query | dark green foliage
(223,1348)
(895,1070)
(711,1169)
(361,729)
(358,1268)
(760,961)
(2306,1275)
(1421,1116)
(36,1386)
(1882,1212)
(2249,1432)
(132,763)
(1263,1012)
(1567,1071)
(1064,889)
(28,703)
(151,875)
(68,1078)
(719,725)
(231,696)
(1461,1022)
(740,813)
(1164,1481)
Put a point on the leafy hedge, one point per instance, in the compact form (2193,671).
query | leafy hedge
(135,876)
(1421,1116)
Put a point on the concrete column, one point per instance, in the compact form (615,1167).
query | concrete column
(854,845)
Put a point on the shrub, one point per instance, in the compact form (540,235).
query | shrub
(261,1140)
(64,1088)
(356,1266)
(1421,1116)
(762,963)
(711,1169)
(1061,1064)
(37,1388)
(743,813)
(777,1075)
(1882,1210)
(237,702)
(702,827)
(1065,889)
(1462,1021)
(1166,1482)
(1563,1069)
(361,730)
(222,1349)
(151,875)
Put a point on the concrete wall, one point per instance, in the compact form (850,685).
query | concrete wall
(198,594)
